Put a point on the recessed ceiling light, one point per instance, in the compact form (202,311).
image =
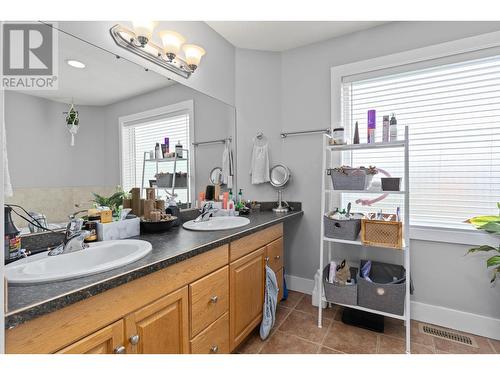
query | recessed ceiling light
(75,64)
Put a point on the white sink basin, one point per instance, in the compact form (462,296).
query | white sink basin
(217,223)
(99,257)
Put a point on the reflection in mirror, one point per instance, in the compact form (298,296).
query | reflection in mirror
(216,176)
(131,128)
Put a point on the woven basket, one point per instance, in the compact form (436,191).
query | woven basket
(382,233)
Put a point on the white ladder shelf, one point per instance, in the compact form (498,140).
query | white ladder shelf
(326,193)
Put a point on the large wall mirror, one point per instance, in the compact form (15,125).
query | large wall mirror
(123,111)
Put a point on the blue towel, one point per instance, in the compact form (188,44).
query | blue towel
(270,302)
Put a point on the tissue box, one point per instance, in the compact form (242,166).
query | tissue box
(118,230)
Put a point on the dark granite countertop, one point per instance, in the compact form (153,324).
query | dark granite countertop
(28,302)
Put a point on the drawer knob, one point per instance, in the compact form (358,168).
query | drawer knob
(134,340)
(214,349)
(214,299)
(266,259)
(277,257)
(119,350)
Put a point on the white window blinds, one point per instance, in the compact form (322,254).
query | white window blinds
(453,115)
(141,137)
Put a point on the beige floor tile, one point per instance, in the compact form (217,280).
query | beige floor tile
(305,305)
(390,345)
(305,326)
(349,339)
(282,343)
(292,300)
(421,349)
(396,328)
(325,350)
(281,314)
(252,345)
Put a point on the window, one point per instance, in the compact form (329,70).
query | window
(453,115)
(139,135)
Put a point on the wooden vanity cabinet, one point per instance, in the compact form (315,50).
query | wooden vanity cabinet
(161,327)
(246,295)
(108,340)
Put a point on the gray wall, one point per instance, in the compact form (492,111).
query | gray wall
(213,120)
(442,275)
(39,143)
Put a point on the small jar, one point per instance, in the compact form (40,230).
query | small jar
(338,136)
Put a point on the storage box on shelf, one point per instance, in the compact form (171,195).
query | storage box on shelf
(341,293)
(381,233)
(342,229)
(386,290)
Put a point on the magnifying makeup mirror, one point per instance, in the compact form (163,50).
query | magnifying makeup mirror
(279,176)
(215,176)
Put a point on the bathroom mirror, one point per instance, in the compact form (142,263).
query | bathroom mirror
(279,175)
(123,111)
(216,176)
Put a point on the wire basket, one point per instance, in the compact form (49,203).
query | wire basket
(382,233)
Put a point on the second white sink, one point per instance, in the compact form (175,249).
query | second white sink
(99,257)
(217,223)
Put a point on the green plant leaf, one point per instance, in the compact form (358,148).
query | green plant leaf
(482,248)
(479,221)
(493,261)
(491,227)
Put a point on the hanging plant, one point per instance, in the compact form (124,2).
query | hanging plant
(72,122)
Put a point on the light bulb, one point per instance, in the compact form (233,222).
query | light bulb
(172,43)
(143,31)
(193,55)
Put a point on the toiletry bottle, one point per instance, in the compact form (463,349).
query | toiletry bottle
(178,150)
(166,142)
(371,126)
(356,134)
(240,204)
(225,200)
(385,129)
(158,152)
(12,240)
(393,128)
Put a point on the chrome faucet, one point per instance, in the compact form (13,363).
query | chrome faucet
(73,240)
(207,211)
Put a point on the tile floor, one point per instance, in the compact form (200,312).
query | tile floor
(296,332)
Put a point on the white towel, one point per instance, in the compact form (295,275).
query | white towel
(260,163)
(227,165)
(7,186)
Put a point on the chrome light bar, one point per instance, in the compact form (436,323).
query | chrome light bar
(126,39)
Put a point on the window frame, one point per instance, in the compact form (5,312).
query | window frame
(183,107)
(459,50)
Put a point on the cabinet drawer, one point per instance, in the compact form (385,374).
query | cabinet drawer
(214,339)
(254,241)
(274,254)
(209,299)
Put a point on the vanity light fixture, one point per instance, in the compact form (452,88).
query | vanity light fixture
(75,64)
(139,42)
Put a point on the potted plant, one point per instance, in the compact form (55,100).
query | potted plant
(72,122)
(490,224)
(113,202)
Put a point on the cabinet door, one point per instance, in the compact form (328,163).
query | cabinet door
(161,327)
(246,295)
(108,340)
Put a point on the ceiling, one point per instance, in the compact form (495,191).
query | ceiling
(282,35)
(104,80)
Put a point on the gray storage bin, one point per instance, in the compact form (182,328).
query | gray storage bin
(383,293)
(352,179)
(337,293)
(391,183)
(342,229)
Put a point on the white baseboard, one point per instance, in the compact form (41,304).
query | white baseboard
(462,321)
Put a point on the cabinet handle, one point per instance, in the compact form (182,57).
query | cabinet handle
(214,299)
(266,259)
(214,349)
(277,257)
(119,350)
(134,340)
